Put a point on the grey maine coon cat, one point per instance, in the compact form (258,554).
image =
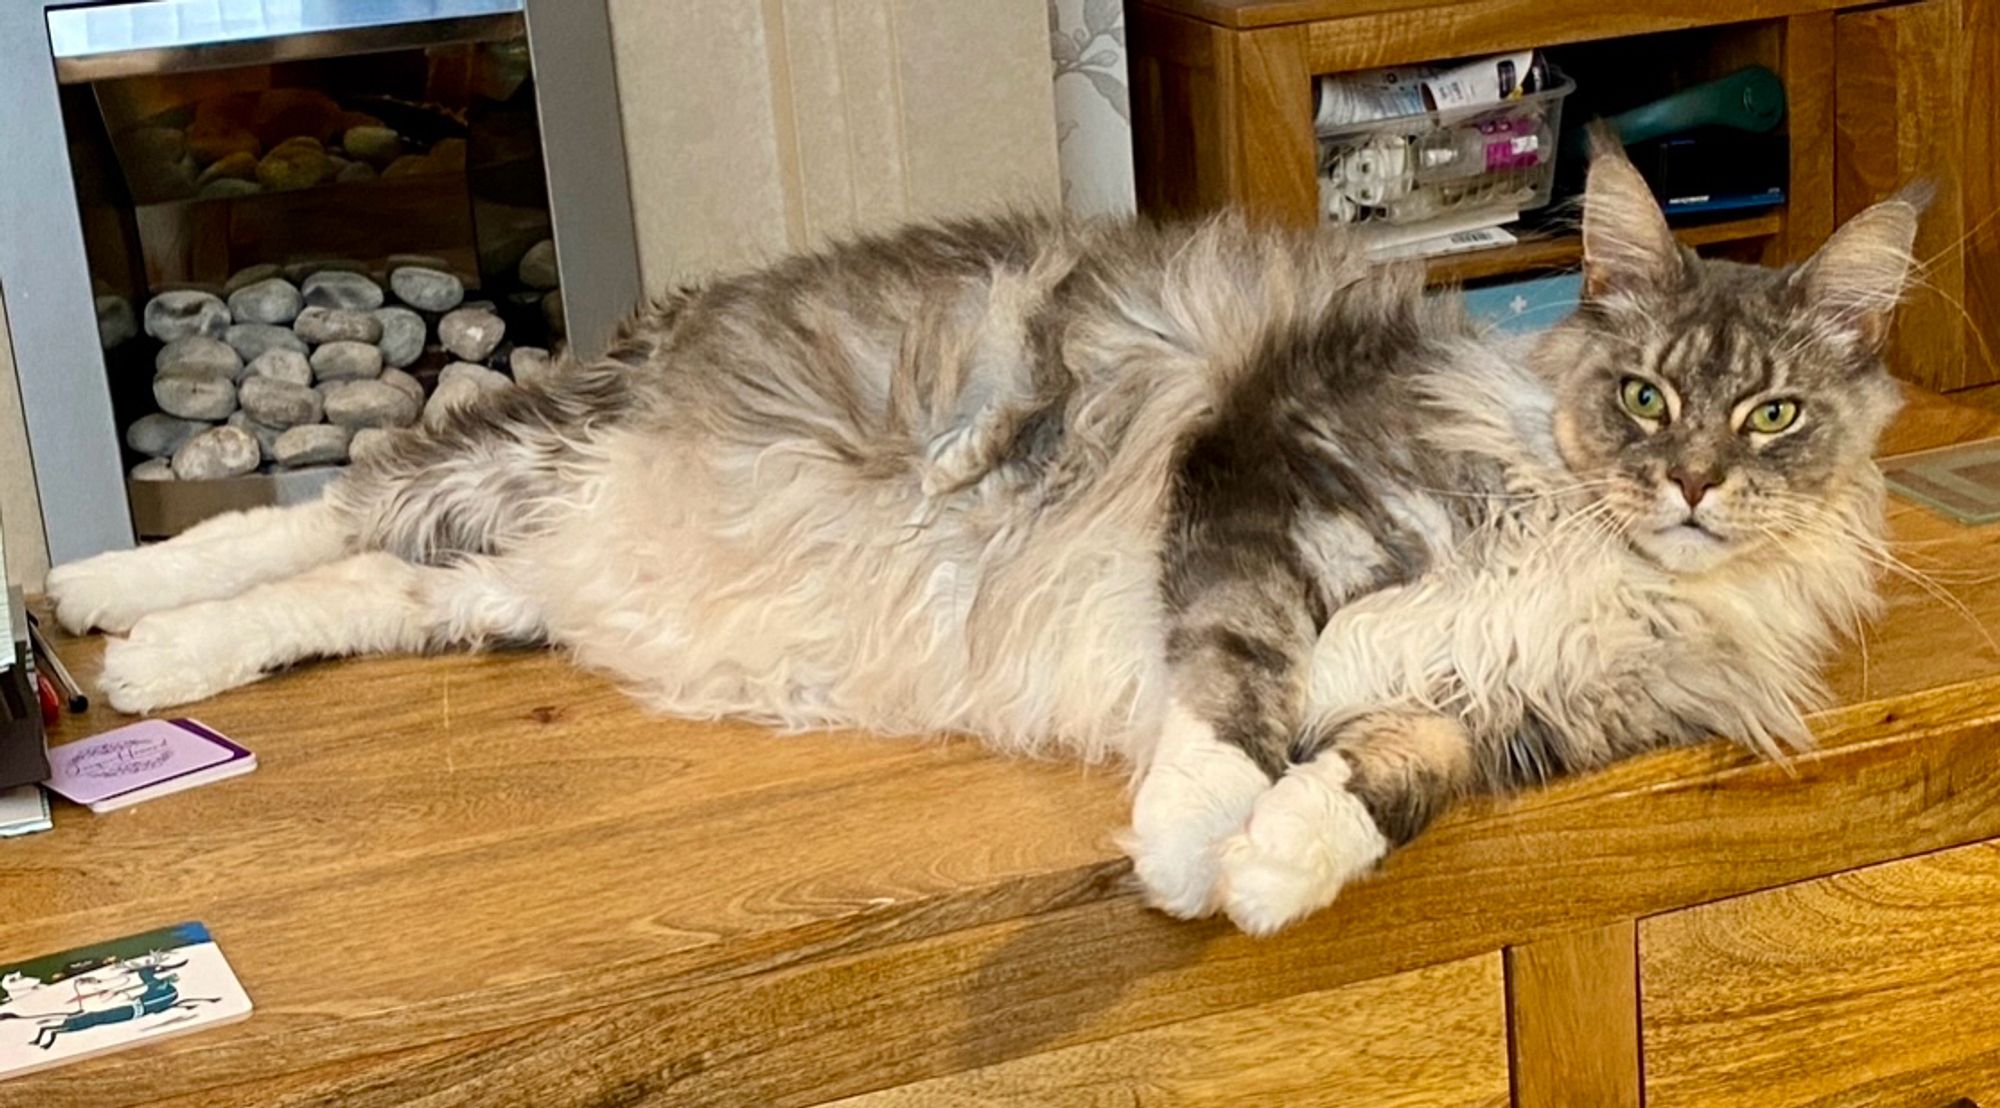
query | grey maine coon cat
(1313,552)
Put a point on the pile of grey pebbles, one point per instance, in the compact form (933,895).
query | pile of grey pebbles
(297,367)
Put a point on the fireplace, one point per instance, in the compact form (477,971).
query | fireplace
(248,240)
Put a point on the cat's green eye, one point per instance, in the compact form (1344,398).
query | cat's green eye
(1643,398)
(1773,416)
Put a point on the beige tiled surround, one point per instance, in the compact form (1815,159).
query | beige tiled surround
(754,127)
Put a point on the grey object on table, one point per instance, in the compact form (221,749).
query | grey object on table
(24,757)
(1962,481)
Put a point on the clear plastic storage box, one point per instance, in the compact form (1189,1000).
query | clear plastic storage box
(1436,164)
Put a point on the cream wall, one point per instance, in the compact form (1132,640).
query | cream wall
(20,510)
(757,126)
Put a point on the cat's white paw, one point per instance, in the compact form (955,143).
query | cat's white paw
(1176,872)
(109,592)
(1186,806)
(177,657)
(1307,837)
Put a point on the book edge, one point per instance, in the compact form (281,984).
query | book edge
(235,766)
(151,1039)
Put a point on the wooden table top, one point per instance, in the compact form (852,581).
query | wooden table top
(1247,14)
(439,859)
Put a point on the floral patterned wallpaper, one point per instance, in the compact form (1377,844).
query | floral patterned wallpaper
(1093,109)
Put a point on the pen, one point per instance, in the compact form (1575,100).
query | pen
(77,701)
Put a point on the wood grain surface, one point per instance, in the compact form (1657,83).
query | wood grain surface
(1269,13)
(1807,57)
(1534,254)
(1429,31)
(1184,117)
(496,880)
(1902,116)
(1875,988)
(1978,251)
(1275,152)
(1573,1006)
(1222,118)
(1430,1038)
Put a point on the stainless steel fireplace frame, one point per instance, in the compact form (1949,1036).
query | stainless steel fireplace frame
(72,438)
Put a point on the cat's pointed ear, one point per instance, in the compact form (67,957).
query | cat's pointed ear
(1627,246)
(1852,285)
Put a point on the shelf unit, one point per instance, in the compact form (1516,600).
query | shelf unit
(1221,95)
(1554,252)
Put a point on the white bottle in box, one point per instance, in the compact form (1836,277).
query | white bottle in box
(1472,149)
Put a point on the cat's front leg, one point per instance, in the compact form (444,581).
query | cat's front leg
(1243,612)
(1196,791)
(1371,786)
(1237,653)
(371,603)
(216,559)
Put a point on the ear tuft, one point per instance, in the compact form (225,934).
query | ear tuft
(1627,246)
(1855,281)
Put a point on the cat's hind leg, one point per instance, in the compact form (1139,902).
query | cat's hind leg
(1370,786)
(372,603)
(217,558)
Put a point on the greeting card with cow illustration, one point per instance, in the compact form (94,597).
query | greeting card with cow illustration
(140,989)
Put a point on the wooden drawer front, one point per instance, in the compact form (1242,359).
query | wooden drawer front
(1878,987)
(1430,1037)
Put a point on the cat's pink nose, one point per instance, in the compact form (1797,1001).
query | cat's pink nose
(1694,486)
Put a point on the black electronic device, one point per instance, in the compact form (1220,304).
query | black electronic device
(1714,169)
